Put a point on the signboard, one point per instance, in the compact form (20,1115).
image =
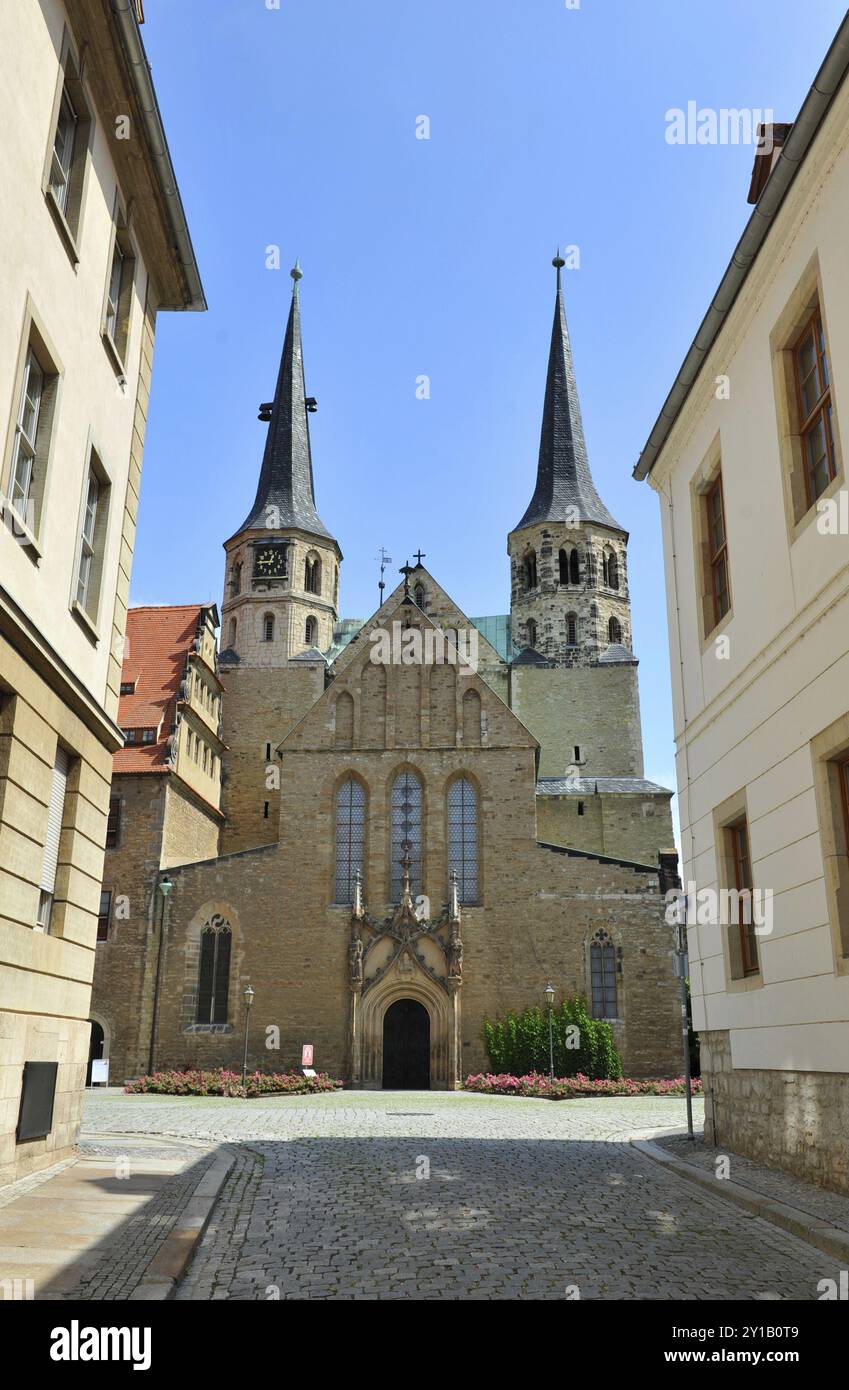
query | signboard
(309,1071)
(100,1071)
(306,1055)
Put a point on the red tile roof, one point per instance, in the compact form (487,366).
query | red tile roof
(158,640)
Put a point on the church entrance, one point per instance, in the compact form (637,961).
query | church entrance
(406,1047)
(95,1048)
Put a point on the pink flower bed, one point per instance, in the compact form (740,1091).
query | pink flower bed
(567,1087)
(229,1083)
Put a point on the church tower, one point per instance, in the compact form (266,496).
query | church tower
(569,576)
(574,674)
(281,596)
(282,570)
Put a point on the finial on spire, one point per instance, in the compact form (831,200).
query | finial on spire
(296,274)
(558,262)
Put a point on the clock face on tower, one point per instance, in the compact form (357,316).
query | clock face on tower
(270,562)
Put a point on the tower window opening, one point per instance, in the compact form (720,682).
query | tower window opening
(268,628)
(571,630)
(580,808)
(265,810)
(614,630)
(532,632)
(311,631)
(531,570)
(312,574)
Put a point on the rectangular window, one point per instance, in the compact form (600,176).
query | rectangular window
(738,842)
(148,735)
(30,435)
(67,155)
(119,289)
(91,542)
(64,143)
(603,979)
(113,824)
(26,437)
(103,916)
(128,687)
(50,858)
(717,550)
(813,395)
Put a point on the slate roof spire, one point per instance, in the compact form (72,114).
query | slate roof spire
(286,478)
(563,471)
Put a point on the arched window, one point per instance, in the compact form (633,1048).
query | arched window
(531,630)
(463,838)
(406,830)
(235,579)
(335,583)
(571,630)
(563,563)
(471,718)
(574,568)
(419,596)
(531,569)
(343,733)
(233,631)
(350,837)
(214,972)
(603,976)
(614,630)
(312,574)
(268,628)
(610,569)
(311,631)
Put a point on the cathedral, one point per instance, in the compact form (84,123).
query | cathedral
(367,837)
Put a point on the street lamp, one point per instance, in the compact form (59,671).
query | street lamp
(249,999)
(165,886)
(549,999)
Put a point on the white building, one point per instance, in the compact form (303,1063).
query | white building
(93,243)
(748,458)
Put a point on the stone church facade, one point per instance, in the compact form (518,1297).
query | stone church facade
(425,817)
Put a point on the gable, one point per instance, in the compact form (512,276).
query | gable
(419,692)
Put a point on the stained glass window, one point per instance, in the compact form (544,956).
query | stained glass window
(406,830)
(350,837)
(463,838)
(214,975)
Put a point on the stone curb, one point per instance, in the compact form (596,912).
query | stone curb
(812,1229)
(162,1275)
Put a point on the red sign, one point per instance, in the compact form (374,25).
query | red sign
(306,1055)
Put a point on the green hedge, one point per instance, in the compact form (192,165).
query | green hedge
(519,1043)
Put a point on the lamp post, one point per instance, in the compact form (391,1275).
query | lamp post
(249,999)
(165,886)
(549,999)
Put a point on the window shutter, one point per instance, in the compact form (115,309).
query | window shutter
(54,821)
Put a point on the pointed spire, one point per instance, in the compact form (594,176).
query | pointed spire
(285,495)
(563,472)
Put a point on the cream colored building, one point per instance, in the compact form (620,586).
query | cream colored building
(93,243)
(748,458)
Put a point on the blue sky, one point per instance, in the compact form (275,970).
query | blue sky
(296,127)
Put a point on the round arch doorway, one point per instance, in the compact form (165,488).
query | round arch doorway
(406,1047)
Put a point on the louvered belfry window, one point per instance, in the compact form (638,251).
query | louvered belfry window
(406,829)
(463,838)
(214,975)
(350,837)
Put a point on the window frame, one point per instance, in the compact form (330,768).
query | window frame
(91,549)
(67,209)
(823,407)
(104,919)
(476,900)
(718,557)
(741,864)
(347,846)
(113,823)
(116,318)
(28,529)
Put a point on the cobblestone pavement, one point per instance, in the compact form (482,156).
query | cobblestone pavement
(428,1196)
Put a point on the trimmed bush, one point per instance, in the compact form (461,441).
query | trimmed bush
(518,1044)
(567,1087)
(229,1083)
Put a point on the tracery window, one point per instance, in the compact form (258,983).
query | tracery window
(214,972)
(350,837)
(406,831)
(603,975)
(463,838)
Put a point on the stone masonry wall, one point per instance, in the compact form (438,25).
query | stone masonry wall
(786,1119)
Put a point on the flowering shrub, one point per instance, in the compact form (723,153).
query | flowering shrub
(567,1087)
(582,1045)
(229,1083)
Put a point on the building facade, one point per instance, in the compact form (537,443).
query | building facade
(93,244)
(383,883)
(748,460)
